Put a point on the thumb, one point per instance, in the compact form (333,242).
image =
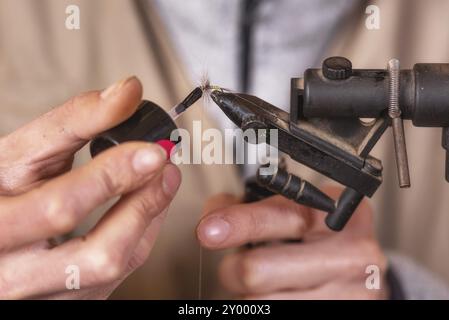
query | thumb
(45,147)
(67,128)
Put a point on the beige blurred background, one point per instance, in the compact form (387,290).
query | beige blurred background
(42,64)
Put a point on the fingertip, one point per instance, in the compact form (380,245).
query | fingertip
(133,87)
(91,113)
(213,231)
(120,101)
(142,157)
(147,159)
(128,83)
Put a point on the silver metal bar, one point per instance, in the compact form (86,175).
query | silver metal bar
(397,125)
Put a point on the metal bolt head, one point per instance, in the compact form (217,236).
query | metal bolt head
(337,68)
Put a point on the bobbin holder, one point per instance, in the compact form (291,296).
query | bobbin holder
(327,129)
(149,123)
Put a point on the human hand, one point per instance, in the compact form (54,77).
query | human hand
(325,265)
(40,198)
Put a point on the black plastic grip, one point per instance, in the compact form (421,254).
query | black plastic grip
(346,205)
(149,123)
(297,189)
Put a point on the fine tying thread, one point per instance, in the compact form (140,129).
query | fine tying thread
(206,88)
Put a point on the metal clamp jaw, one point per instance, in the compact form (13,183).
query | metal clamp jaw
(324,130)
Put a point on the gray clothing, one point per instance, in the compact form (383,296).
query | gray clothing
(416,282)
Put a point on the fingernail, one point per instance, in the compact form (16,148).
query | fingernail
(214,230)
(171,180)
(146,160)
(114,88)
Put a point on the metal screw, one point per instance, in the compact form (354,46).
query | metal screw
(394,113)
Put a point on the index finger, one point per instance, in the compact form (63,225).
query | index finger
(273,218)
(67,128)
(60,205)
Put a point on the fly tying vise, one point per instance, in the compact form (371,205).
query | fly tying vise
(323,130)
